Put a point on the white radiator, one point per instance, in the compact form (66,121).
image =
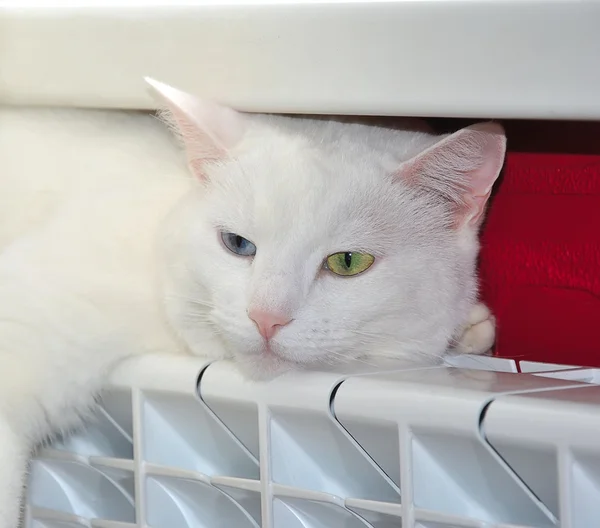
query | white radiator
(477,446)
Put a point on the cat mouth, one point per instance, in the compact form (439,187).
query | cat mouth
(265,362)
(269,351)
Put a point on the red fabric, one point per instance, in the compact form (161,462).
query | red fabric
(540,259)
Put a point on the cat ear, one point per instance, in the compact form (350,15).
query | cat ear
(208,130)
(461,168)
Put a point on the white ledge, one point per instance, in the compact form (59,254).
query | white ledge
(469,58)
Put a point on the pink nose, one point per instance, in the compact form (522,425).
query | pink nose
(268,323)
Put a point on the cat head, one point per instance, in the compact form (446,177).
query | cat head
(312,241)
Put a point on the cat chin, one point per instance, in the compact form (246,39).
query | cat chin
(264,367)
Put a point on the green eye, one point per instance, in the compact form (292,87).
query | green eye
(348,264)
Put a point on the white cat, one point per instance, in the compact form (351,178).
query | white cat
(290,242)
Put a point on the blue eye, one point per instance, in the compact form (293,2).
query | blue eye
(238,244)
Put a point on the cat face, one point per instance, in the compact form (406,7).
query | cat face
(316,241)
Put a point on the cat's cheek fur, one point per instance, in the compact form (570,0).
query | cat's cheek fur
(203,283)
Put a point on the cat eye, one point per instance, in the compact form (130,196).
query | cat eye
(348,263)
(238,244)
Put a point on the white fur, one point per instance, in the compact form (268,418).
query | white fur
(110,248)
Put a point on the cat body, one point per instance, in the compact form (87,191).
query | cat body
(78,269)
(116,241)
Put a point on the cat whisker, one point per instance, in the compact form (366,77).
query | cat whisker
(344,357)
(192,300)
(384,337)
(198,316)
(389,353)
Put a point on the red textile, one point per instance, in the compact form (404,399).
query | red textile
(540,259)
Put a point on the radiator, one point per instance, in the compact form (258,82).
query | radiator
(181,443)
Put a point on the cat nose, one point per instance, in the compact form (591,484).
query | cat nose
(268,323)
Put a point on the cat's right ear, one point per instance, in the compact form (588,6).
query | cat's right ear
(460,170)
(207,129)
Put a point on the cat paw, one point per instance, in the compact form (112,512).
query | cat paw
(479,333)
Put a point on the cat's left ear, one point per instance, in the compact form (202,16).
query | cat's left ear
(461,169)
(207,129)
